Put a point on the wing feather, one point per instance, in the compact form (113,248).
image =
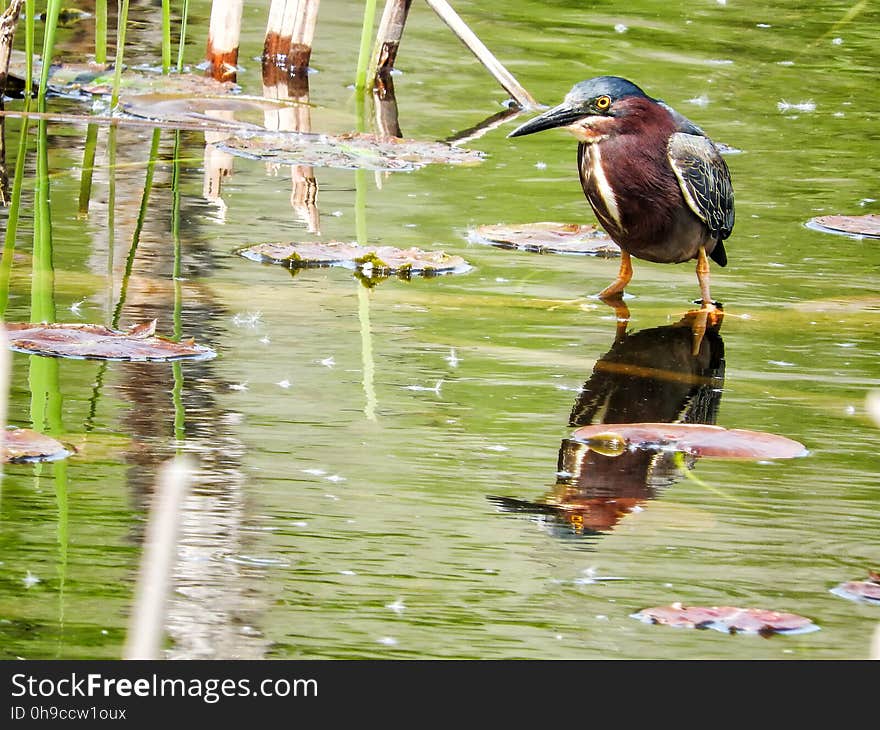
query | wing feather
(704,180)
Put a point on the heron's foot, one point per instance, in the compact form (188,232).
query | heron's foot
(710,314)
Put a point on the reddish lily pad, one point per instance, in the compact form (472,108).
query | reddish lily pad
(728,619)
(867,226)
(368,260)
(22,445)
(96,342)
(864,591)
(348,151)
(695,439)
(547,237)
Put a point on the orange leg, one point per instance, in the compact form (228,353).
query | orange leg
(708,313)
(616,287)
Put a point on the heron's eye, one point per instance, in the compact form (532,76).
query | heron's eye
(603,102)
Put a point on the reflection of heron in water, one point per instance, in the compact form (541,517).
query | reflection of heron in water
(650,376)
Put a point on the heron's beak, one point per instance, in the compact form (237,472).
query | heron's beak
(559,116)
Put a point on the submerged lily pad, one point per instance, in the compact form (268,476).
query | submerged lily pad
(368,260)
(348,151)
(728,619)
(853,225)
(97,79)
(547,237)
(864,591)
(175,107)
(695,439)
(22,445)
(95,342)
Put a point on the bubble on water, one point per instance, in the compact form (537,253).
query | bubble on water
(801,106)
(387,640)
(283,383)
(701,100)
(620,28)
(398,606)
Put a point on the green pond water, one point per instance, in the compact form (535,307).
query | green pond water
(348,441)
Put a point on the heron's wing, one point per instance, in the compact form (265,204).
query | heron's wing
(704,180)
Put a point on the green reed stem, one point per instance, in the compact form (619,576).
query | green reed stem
(166,36)
(88,169)
(29,13)
(366,40)
(142,216)
(12,218)
(100,31)
(120,50)
(43,271)
(184,14)
(52,10)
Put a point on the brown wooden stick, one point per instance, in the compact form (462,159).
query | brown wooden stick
(8,21)
(303,34)
(476,46)
(223,37)
(388,36)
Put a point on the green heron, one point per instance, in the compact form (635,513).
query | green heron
(657,183)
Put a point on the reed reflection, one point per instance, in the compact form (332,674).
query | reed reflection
(650,376)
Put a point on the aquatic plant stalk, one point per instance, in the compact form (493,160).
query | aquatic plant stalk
(146,626)
(121,23)
(101,31)
(364,53)
(184,15)
(88,169)
(52,10)
(43,271)
(29,14)
(139,225)
(5,372)
(166,36)
(12,217)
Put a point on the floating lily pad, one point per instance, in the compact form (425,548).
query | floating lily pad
(867,226)
(22,445)
(547,237)
(864,591)
(368,260)
(96,342)
(694,439)
(728,619)
(348,151)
